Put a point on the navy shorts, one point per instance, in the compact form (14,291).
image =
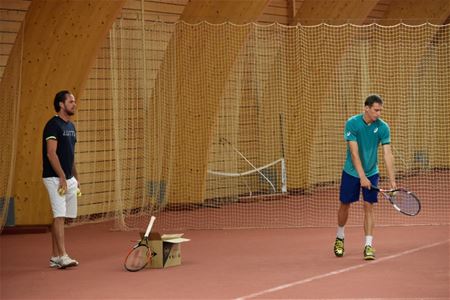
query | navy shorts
(351,187)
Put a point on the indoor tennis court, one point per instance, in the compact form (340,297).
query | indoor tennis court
(224,120)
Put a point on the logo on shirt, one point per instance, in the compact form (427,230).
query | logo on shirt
(375,130)
(348,133)
(68,133)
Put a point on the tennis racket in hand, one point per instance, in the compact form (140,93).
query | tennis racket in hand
(140,255)
(404,201)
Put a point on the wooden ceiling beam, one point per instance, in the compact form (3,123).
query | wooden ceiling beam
(417,12)
(220,11)
(313,12)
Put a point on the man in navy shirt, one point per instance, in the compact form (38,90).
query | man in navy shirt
(59,173)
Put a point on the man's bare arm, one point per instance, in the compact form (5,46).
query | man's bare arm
(54,162)
(389,161)
(75,173)
(358,165)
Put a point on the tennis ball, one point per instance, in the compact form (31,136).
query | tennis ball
(61,191)
(393,194)
(79,192)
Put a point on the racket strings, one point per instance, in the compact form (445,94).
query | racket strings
(138,258)
(406,202)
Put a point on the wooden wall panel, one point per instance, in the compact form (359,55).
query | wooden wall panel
(96,146)
(12,13)
(217,12)
(275,12)
(378,12)
(168,11)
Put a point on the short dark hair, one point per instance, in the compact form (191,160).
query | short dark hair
(60,97)
(371,99)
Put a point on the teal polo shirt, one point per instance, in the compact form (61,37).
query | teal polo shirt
(368,138)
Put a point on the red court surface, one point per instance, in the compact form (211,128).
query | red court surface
(412,263)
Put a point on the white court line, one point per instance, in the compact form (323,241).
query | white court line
(403,298)
(288,285)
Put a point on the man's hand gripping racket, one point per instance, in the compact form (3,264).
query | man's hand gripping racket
(404,201)
(140,255)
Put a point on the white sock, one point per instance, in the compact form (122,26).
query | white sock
(340,232)
(369,239)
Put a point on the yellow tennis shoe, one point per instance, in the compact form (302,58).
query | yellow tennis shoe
(369,253)
(339,247)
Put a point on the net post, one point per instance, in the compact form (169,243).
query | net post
(283,176)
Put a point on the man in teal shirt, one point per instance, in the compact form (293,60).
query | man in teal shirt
(363,133)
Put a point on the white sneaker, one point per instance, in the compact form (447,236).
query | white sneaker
(76,261)
(54,262)
(65,261)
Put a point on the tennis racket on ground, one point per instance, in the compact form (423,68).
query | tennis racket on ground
(404,201)
(140,255)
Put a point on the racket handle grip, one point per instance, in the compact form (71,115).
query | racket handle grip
(373,187)
(149,227)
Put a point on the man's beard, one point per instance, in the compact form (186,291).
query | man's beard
(68,112)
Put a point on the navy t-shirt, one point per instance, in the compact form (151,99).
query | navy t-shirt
(66,136)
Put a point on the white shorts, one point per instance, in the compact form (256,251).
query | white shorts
(65,205)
